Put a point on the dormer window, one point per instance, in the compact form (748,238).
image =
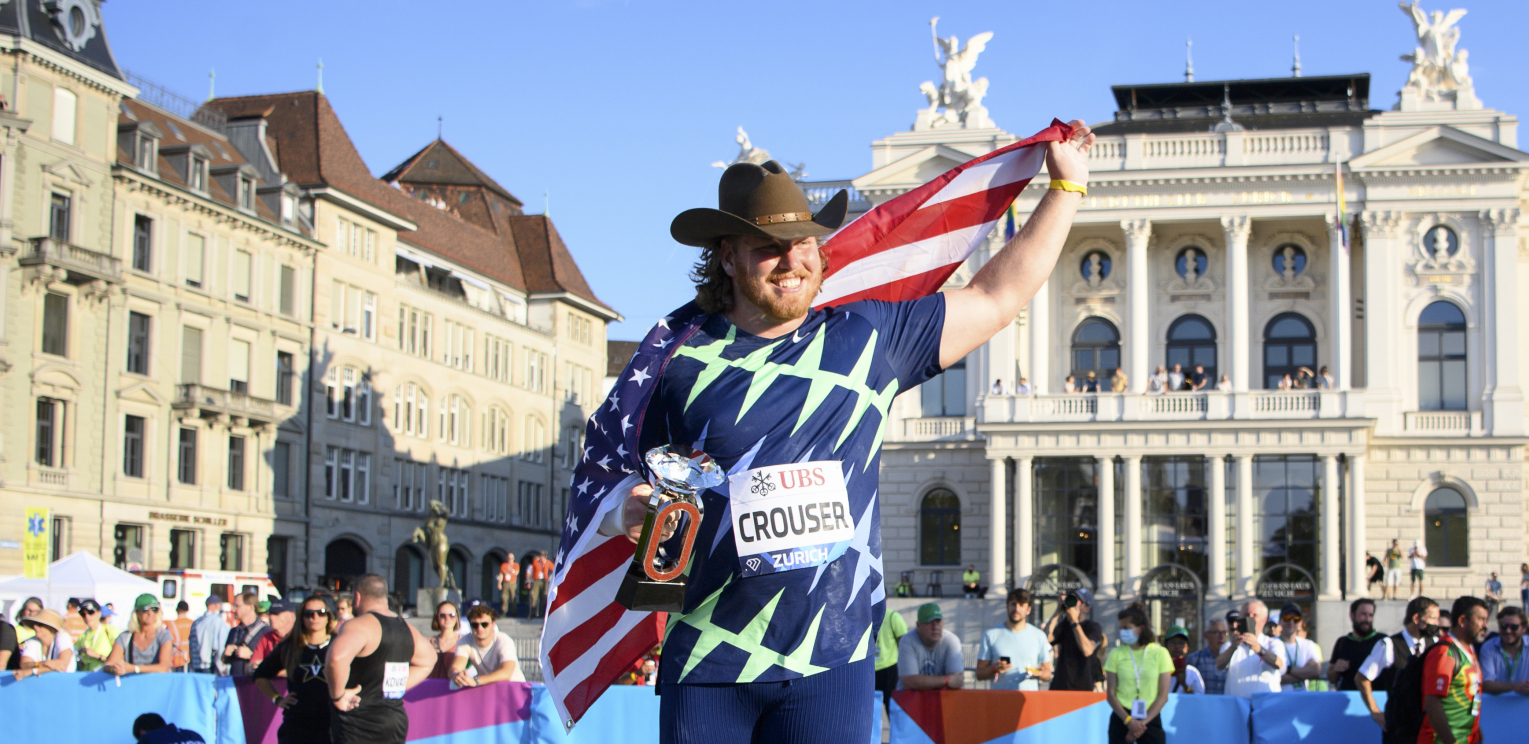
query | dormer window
(247,193)
(140,140)
(147,154)
(196,177)
(288,209)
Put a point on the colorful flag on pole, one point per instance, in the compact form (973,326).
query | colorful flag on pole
(1342,209)
(904,249)
(36,544)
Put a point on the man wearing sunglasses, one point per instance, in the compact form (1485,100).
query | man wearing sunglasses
(488,655)
(1301,655)
(1503,666)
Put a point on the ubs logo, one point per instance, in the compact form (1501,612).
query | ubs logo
(762,484)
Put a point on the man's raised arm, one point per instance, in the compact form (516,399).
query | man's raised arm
(974,313)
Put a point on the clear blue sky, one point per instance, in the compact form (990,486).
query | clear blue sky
(618,108)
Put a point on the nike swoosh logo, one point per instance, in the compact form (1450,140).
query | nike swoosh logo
(796,337)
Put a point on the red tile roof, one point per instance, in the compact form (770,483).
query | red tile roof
(314,150)
(440,163)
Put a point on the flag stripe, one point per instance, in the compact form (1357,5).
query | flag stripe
(579,640)
(1018,166)
(594,565)
(618,659)
(949,249)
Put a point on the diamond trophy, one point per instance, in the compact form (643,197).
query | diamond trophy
(654,582)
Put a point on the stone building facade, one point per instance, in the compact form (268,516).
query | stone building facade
(238,349)
(1212,235)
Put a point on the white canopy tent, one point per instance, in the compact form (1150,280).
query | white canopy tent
(79,575)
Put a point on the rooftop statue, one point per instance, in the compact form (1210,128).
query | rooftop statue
(748,153)
(958,94)
(1440,76)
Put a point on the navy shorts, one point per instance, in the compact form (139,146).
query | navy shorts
(832,707)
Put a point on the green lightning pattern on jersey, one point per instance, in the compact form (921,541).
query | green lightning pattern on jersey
(808,367)
(749,640)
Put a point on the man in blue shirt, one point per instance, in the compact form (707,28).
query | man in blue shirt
(1503,666)
(1016,655)
(208,635)
(1205,659)
(783,596)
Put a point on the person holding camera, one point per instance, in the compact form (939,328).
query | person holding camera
(1251,663)
(1077,640)
(1015,655)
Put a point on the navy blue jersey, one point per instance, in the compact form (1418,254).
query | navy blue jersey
(821,393)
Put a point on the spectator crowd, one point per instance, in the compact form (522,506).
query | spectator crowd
(1433,669)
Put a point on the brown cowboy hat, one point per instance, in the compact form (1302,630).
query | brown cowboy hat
(759,200)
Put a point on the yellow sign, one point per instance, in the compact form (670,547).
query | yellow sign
(36,544)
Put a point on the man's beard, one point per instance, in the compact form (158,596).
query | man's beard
(1363,628)
(790,307)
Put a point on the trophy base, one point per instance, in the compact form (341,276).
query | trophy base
(638,593)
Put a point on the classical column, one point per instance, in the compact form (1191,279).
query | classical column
(1236,227)
(1504,398)
(1358,535)
(1217,528)
(1105,532)
(1024,519)
(1133,525)
(1040,341)
(1138,341)
(1245,567)
(1331,540)
(997,520)
(1383,329)
(1338,299)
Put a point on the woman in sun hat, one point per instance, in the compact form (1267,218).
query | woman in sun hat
(146,645)
(50,649)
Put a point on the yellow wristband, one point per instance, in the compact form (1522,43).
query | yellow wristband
(1058,184)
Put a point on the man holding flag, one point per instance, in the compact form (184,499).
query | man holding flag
(783,371)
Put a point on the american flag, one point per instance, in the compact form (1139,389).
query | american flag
(904,249)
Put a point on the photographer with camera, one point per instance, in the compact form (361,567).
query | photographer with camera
(1251,663)
(1078,641)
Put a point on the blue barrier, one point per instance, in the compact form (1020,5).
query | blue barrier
(628,715)
(1338,717)
(1504,718)
(90,707)
(1206,718)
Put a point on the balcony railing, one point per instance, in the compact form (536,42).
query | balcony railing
(937,428)
(1212,406)
(1442,422)
(84,265)
(224,402)
(819,192)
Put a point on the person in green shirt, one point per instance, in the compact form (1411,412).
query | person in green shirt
(893,627)
(95,644)
(970,580)
(1136,675)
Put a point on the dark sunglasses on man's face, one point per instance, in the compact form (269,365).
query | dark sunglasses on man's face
(483,625)
(315,613)
(1510,627)
(87,612)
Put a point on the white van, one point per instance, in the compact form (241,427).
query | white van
(194,586)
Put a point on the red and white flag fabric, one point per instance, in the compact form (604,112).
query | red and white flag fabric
(903,249)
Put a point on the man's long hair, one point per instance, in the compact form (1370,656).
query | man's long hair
(713,287)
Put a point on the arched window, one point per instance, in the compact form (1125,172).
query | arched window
(1290,342)
(1441,358)
(940,528)
(456,563)
(409,575)
(344,559)
(1191,341)
(1446,528)
(1095,348)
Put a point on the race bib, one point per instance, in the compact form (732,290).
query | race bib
(395,679)
(787,517)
